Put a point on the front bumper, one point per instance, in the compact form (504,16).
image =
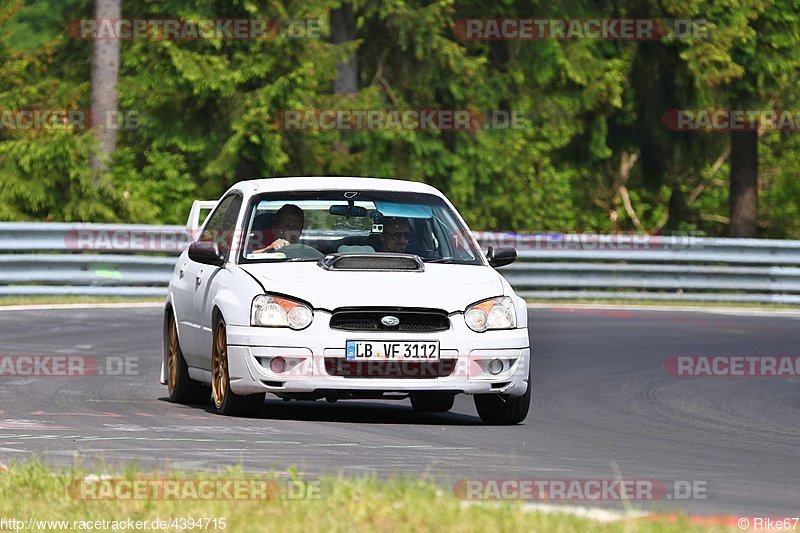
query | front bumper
(251,349)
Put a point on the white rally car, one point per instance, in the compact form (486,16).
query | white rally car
(343,288)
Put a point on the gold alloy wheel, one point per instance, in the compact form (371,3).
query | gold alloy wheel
(219,366)
(173,352)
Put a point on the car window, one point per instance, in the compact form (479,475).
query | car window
(358,222)
(221,227)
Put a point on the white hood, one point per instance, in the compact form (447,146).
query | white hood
(448,287)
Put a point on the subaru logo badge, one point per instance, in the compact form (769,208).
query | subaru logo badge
(390,321)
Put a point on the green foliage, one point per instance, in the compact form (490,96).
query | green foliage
(398,501)
(207,112)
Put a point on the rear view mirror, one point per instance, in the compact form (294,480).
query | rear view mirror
(348,211)
(501,256)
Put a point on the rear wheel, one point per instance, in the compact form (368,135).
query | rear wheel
(226,401)
(182,388)
(435,402)
(502,409)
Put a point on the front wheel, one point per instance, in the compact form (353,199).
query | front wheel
(226,401)
(502,409)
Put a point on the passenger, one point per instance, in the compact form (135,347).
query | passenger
(287,228)
(395,236)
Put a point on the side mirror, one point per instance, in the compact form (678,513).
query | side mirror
(501,256)
(206,252)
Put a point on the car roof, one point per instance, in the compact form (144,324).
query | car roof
(322,183)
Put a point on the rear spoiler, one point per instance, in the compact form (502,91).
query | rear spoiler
(194,222)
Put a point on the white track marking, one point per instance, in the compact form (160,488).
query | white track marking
(592,513)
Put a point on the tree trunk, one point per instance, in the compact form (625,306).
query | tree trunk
(744,184)
(343,29)
(105,73)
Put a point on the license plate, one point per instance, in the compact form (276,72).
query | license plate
(392,350)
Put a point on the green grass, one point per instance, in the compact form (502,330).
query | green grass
(57,300)
(347,504)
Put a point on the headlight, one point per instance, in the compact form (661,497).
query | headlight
(495,313)
(275,312)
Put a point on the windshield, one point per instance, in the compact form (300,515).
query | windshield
(306,226)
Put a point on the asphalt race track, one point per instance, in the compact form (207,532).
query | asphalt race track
(604,408)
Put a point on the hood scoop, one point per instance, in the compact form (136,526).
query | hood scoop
(373,262)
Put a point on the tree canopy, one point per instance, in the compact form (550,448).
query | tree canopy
(590,150)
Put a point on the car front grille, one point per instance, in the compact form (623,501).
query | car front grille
(338,367)
(419,320)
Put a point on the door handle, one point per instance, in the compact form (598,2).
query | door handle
(199,278)
(182,271)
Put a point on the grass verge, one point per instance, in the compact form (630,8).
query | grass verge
(33,491)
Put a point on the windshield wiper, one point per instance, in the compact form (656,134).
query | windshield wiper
(445,260)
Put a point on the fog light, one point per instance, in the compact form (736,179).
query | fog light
(277,364)
(495,366)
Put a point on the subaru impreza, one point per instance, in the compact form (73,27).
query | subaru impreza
(343,288)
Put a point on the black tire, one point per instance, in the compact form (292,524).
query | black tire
(182,388)
(502,409)
(225,400)
(432,402)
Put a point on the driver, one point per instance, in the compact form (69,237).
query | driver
(286,230)
(395,236)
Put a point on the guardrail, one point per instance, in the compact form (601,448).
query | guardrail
(137,260)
